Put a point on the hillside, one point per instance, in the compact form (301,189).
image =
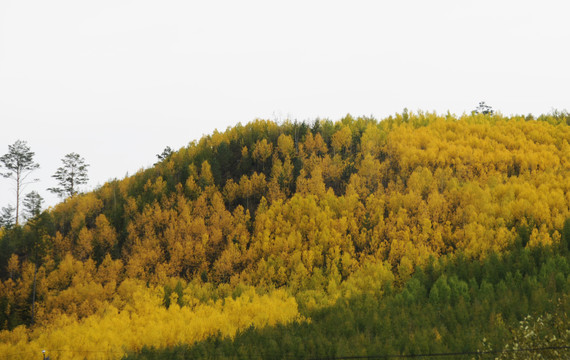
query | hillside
(273,226)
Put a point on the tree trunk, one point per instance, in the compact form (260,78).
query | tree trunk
(34,295)
(17,198)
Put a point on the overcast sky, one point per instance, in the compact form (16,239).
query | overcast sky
(117,81)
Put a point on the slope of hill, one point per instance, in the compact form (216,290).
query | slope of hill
(282,221)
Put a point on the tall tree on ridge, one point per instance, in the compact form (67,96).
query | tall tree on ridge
(72,174)
(19,163)
(164,155)
(484,109)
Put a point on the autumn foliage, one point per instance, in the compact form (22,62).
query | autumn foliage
(319,211)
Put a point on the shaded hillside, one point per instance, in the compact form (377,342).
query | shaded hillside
(457,306)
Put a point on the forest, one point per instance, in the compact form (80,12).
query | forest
(418,234)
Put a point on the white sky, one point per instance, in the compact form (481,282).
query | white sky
(117,81)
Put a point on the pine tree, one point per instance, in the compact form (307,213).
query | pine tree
(32,205)
(19,163)
(484,109)
(166,153)
(72,174)
(7,217)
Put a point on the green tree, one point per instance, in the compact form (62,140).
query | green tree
(32,205)
(7,216)
(19,163)
(72,174)
(164,155)
(484,109)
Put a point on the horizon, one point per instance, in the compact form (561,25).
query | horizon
(117,82)
(91,188)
